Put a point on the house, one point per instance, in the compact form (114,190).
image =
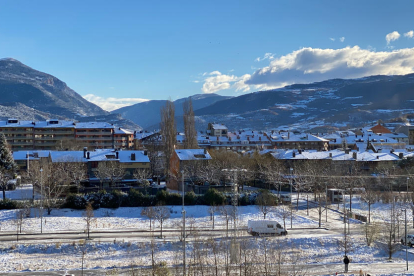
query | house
(184,161)
(214,129)
(23,159)
(305,141)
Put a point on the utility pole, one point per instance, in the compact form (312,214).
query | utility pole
(291,207)
(326,202)
(407,185)
(406,247)
(41,201)
(183,212)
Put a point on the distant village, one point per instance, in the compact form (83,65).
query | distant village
(92,143)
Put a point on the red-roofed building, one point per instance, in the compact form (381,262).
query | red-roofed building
(380,129)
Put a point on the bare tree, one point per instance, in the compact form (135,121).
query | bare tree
(168,132)
(190,131)
(162,213)
(149,212)
(265,202)
(226,212)
(369,197)
(270,169)
(77,171)
(88,217)
(215,249)
(54,184)
(388,230)
(109,171)
(371,232)
(285,212)
(212,210)
(142,175)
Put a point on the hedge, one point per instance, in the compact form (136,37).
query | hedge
(135,198)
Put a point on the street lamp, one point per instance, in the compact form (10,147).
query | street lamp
(291,184)
(406,248)
(183,212)
(407,185)
(41,201)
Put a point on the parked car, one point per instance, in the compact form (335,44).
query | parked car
(265,227)
(285,198)
(410,240)
(11,184)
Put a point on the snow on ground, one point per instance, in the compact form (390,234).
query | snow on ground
(23,192)
(130,217)
(322,250)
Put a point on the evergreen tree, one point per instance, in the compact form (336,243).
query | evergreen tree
(7,165)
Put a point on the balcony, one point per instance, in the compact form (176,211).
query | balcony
(94,138)
(54,132)
(93,133)
(45,144)
(9,131)
(21,143)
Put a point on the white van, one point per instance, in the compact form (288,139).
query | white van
(285,198)
(265,227)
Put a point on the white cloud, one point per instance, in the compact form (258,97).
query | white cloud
(111,103)
(392,37)
(269,56)
(312,64)
(332,39)
(409,34)
(215,73)
(342,39)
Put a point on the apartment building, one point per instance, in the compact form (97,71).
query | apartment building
(60,134)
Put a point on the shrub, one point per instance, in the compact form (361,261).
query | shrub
(161,197)
(75,201)
(190,198)
(9,204)
(113,199)
(174,199)
(214,198)
(135,198)
(244,200)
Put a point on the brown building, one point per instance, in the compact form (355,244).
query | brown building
(182,158)
(59,134)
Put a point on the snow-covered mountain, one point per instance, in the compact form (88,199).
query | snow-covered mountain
(336,102)
(41,91)
(147,114)
(28,94)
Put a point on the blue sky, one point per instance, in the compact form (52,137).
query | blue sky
(118,52)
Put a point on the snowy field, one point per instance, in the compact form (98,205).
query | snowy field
(321,252)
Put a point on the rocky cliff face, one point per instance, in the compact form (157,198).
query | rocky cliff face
(41,91)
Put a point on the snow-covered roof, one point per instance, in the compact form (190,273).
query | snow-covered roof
(192,154)
(290,137)
(54,124)
(18,124)
(218,126)
(67,156)
(119,130)
(99,155)
(94,125)
(33,154)
(336,155)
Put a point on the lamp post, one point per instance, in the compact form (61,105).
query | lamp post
(41,201)
(406,250)
(407,185)
(291,184)
(183,212)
